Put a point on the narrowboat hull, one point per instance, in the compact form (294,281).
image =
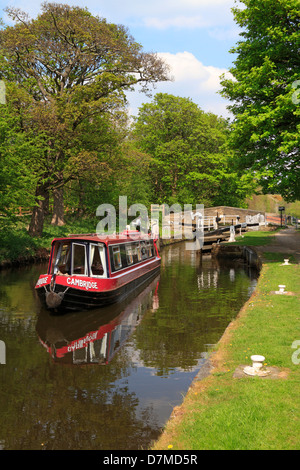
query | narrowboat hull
(95,335)
(68,293)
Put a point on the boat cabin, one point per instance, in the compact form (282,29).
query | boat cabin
(100,259)
(87,271)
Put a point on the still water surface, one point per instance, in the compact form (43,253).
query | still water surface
(108,379)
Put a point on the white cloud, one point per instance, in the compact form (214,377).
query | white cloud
(186,68)
(187,14)
(191,79)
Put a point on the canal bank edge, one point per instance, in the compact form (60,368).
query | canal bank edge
(41,255)
(214,360)
(214,363)
(249,255)
(252,259)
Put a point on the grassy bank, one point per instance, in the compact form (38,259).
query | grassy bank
(223,412)
(256,238)
(17,246)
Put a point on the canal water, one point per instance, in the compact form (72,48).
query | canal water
(108,379)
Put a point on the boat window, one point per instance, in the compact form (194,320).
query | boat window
(80,355)
(137,252)
(97,258)
(117,257)
(149,249)
(129,254)
(98,350)
(144,252)
(79,259)
(61,262)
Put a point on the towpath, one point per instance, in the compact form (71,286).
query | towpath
(286,241)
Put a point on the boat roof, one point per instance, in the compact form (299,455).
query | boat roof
(125,236)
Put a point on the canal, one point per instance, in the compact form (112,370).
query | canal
(108,379)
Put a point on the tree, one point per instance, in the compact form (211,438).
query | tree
(190,162)
(73,66)
(133,175)
(264,92)
(96,160)
(17,151)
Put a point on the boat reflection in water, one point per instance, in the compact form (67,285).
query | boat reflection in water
(95,336)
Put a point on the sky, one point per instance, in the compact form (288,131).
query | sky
(193,36)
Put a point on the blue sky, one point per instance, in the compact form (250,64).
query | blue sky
(193,36)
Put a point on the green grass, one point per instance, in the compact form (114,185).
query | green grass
(277,257)
(258,238)
(222,412)
(272,320)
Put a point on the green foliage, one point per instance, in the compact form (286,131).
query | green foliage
(69,69)
(17,152)
(264,93)
(64,139)
(17,245)
(133,175)
(190,160)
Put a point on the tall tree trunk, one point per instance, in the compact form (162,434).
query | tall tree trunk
(46,204)
(58,207)
(80,211)
(37,218)
(174,185)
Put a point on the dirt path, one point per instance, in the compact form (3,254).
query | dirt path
(286,241)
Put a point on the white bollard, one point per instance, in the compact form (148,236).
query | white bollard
(257,366)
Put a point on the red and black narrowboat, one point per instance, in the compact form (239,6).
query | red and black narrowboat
(89,271)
